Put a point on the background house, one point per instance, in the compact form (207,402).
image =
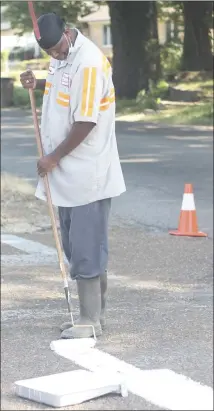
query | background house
(96,26)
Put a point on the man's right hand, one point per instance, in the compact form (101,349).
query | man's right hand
(28,80)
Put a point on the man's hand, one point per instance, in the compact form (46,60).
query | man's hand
(28,80)
(46,164)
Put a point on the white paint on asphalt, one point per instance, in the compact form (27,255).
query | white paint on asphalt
(28,246)
(28,260)
(164,388)
(37,253)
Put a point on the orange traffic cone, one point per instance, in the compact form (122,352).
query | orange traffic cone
(188,220)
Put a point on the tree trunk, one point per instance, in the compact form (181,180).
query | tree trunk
(155,50)
(197,52)
(130,26)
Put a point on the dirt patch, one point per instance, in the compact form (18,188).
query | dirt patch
(21,212)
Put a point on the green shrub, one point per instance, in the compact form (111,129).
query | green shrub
(4,59)
(4,55)
(147,101)
(159,90)
(152,98)
(21,97)
(170,56)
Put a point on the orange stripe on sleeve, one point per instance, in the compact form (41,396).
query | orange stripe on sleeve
(64,96)
(92,92)
(84,91)
(104,100)
(104,107)
(62,103)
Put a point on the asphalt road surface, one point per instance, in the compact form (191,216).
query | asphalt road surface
(160,313)
(157,162)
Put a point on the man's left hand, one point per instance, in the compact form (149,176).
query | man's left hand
(46,164)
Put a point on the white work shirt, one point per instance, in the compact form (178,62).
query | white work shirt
(81,89)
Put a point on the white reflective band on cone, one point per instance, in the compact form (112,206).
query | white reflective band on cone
(188,203)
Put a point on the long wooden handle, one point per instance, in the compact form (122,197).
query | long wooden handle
(47,189)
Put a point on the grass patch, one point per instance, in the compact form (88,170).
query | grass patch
(194,114)
(195,76)
(151,107)
(189,114)
(124,107)
(205,87)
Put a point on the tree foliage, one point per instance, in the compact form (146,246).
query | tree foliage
(169,10)
(18,15)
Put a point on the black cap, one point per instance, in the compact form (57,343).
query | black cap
(51,29)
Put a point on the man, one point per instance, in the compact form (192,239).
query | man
(80,158)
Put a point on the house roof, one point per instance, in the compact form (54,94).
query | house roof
(102,14)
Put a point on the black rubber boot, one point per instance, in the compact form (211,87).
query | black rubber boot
(103,289)
(90,310)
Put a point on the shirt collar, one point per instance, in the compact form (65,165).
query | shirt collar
(78,43)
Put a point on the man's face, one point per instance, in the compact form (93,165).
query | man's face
(60,51)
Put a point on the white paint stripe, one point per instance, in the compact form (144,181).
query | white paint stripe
(26,245)
(188,203)
(28,260)
(164,388)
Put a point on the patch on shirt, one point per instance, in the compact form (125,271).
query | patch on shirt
(66,80)
(51,70)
